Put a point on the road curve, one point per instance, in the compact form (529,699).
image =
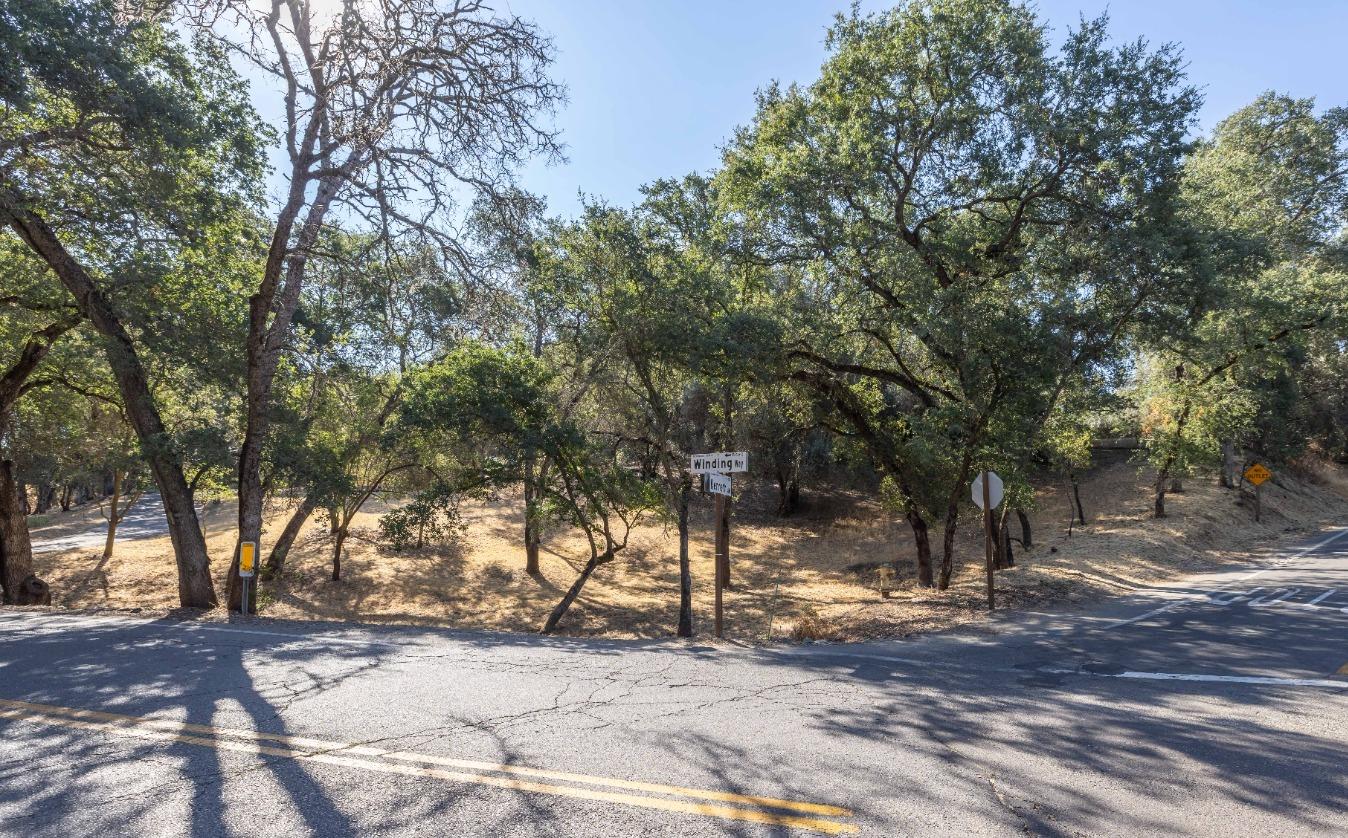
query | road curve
(1213,706)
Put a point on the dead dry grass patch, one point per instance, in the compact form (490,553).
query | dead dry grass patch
(808,577)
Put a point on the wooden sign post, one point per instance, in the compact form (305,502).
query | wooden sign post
(1258,474)
(987,491)
(720,562)
(715,479)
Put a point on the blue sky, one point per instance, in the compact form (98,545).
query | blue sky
(657,86)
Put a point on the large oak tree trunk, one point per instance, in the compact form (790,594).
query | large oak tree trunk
(270,313)
(952,516)
(114,514)
(16,552)
(532,540)
(1162,486)
(46,496)
(1225,477)
(565,605)
(1026,537)
(277,558)
(922,540)
(338,543)
(195,589)
(1003,557)
(17,582)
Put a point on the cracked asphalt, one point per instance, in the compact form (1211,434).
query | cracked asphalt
(1217,705)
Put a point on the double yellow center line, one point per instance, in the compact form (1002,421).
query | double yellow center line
(705,802)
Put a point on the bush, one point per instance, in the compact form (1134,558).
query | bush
(810,626)
(432,515)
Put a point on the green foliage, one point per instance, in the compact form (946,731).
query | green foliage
(975,217)
(431,515)
(967,244)
(495,410)
(1269,193)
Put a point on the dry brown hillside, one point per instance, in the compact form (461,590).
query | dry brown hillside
(789,574)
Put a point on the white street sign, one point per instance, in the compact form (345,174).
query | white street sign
(720,461)
(995,488)
(717,484)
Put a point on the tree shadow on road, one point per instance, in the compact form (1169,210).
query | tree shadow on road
(100,787)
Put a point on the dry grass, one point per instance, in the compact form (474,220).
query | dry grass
(791,574)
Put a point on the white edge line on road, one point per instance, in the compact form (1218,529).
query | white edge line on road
(1193,597)
(1193,676)
(1326,595)
(824,653)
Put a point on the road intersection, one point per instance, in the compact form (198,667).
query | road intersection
(1214,706)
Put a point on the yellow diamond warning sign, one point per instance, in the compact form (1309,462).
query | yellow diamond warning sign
(1257,474)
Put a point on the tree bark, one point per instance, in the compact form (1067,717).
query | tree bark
(1003,555)
(531,534)
(952,516)
(277,558)
(1076,499)
(46,496)
(16,551)
(337,555)
(114,515)
(1026,538)
(788,489)
(922,540)
(1163,473)
(1225,477)
(270,312)
(999,539)
(685,567)
(195,589)
(565,605)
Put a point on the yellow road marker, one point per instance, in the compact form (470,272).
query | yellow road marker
(330,753)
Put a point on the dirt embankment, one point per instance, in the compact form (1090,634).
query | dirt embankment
(786,572)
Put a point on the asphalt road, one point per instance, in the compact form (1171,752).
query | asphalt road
(143,520)
(1214,707)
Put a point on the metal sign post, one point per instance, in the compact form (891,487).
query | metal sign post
(247,566)
(714,467)
(1258,474)
(720,563)
(987,491)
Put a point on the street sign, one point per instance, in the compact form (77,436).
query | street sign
(247,558)
(720,461)
(717,484)
(995,489)
(1257,473)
